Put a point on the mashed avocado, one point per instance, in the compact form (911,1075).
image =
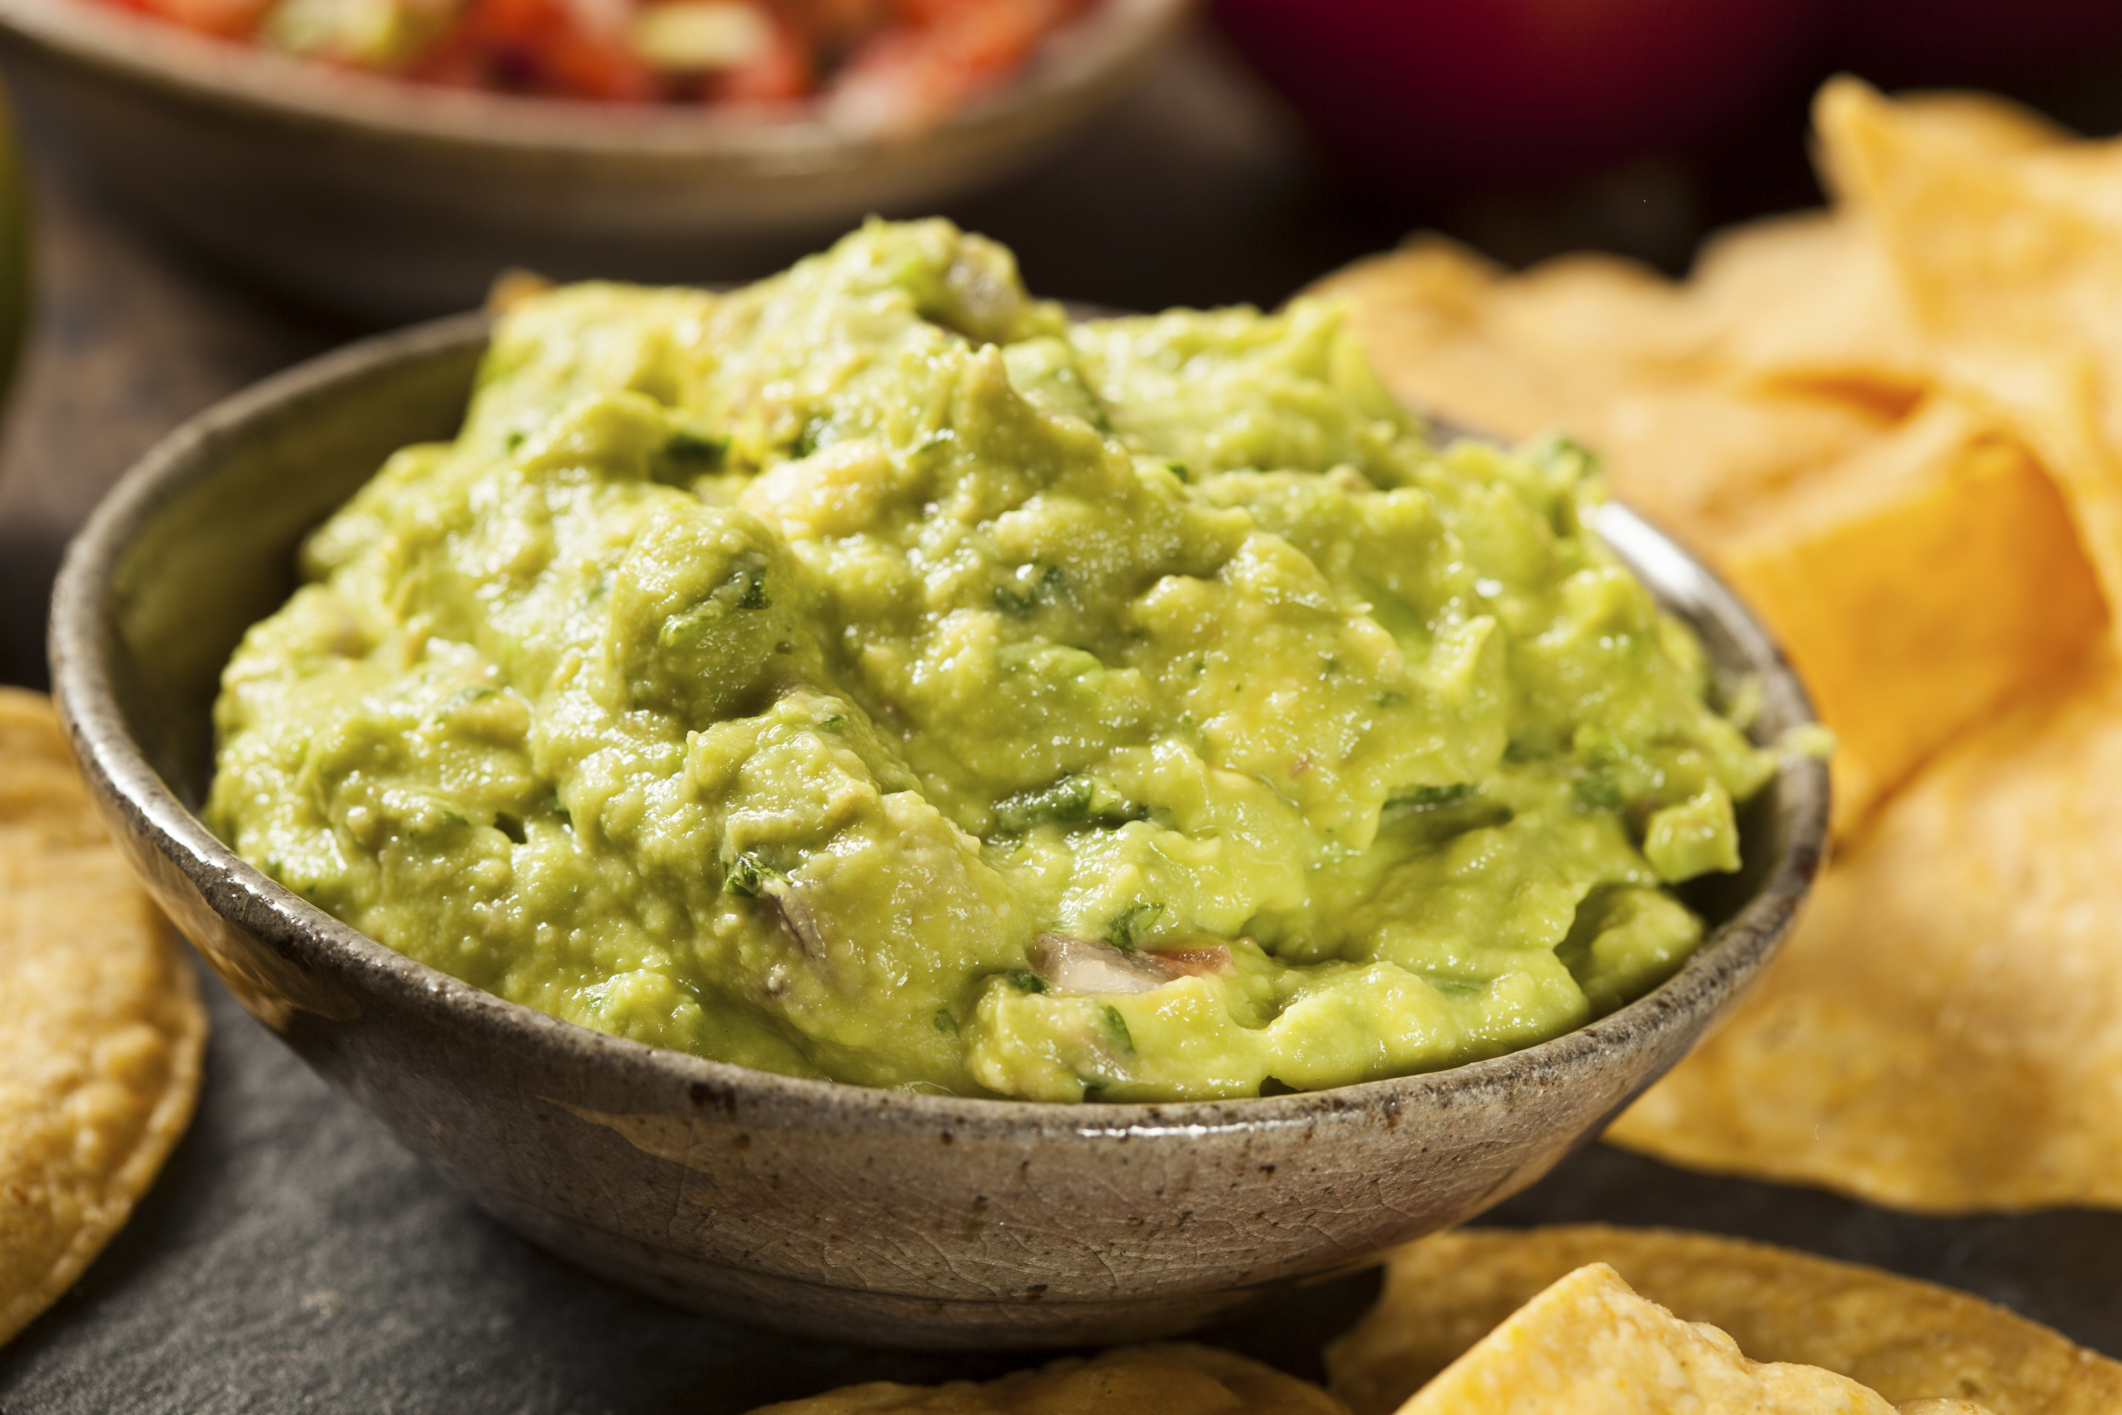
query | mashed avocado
(872,675)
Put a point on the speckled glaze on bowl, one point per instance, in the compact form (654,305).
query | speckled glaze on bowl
(829,1209)
(387,201)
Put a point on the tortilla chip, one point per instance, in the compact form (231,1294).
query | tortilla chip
(1178,1379)
(1588,1345)
(1906,1340)
(101,1031)
(1919,588)
(1943,1031)
(1703,461)
(2011,256)
(1986,121)
(1809,301)
(1813,298)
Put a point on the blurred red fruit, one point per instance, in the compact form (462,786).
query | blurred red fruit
(1447,90)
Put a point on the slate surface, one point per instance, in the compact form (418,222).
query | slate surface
(292,1259)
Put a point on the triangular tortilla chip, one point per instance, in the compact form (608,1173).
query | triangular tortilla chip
(1919,589)
(1907,1340)
(1588,1345)
(2011,256)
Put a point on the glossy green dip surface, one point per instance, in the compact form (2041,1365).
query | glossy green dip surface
(869,674)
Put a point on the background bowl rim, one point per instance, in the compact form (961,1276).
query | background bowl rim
(232,76)
(125,783)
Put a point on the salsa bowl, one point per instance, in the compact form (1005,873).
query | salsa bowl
(385,201)
(876,1216)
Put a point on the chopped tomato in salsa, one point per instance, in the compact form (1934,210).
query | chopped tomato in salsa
(884,65)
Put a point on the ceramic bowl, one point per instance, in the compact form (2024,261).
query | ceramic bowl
(387,201)
(829,1209)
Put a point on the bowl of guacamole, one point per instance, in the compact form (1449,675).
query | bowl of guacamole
(757,781)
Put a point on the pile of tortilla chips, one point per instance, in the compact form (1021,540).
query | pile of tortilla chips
(1590,1345)
(1590,1320)
(1896,427)
(101,1031)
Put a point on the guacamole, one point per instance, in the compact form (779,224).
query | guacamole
(871,674)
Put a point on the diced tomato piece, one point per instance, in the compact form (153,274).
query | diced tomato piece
(946,53)
(780,75)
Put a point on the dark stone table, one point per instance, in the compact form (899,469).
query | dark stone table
(291,1258)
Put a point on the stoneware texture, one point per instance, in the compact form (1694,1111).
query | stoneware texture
(873,1216)
(387,201)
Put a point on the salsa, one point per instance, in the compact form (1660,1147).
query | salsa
(882,66)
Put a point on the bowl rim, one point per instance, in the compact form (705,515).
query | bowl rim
(143,804)
(232,76)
